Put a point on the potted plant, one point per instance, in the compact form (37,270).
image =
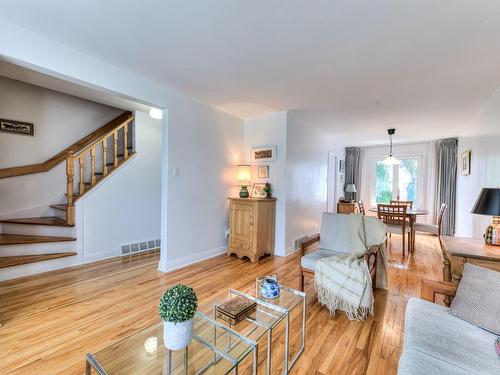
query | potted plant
(177,307)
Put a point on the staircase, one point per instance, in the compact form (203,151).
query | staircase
(89,161)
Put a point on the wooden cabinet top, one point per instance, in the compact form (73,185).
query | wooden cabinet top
(470,248)
(252,199)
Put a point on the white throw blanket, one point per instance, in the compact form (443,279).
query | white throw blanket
(343,282)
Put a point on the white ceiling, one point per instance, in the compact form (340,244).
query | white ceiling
(425,67)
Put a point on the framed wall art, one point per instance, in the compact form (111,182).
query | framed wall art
(17,127)
(465,163)
(263,171)
(263,154)
(258,190)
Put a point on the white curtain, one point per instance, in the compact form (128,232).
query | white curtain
(431,200)
(366,183)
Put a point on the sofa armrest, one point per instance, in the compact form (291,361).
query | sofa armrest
(308,241)
(429,289)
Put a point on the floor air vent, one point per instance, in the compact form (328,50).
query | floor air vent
(138,247)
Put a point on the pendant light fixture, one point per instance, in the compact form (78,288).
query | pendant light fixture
(390,160)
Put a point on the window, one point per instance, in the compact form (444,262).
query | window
(397,182)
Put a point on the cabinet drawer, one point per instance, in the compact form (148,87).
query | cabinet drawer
(240,245)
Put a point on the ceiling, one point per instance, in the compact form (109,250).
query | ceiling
(425,67)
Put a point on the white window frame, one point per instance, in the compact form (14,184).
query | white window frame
(395,176)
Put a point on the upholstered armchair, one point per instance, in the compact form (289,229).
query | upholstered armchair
(334,232)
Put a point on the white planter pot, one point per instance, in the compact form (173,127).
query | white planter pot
(177,336)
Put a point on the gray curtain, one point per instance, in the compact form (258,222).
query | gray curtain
(353,158)
(447,157)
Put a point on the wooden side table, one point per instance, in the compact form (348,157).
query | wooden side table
(457,251)
(347,207)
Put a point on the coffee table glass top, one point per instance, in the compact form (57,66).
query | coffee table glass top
(288,298)
(213,350)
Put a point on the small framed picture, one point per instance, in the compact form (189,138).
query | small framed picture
(17,127)
(263,154)
(258,190)
(341,166)
(465,163)
(263,171)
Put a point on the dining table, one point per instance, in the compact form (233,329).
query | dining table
(412,214)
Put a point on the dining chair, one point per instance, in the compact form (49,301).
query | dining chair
(361,207)
(433,228)
(408,204)
(394,216)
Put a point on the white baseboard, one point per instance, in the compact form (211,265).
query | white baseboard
(290,250)
(190,259)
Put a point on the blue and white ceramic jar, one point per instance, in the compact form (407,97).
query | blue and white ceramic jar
(270,287)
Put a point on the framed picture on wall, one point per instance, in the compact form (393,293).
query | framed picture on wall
(465,163)
(263,171)
(341,166)
(17,127)
(263,154)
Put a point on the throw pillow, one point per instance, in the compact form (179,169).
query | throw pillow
(478,300)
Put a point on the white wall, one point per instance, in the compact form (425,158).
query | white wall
(306,173)
(270,130)
(125,208)
(485,172)
(205,146)
(59,120)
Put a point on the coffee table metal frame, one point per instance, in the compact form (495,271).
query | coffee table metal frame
(93,363)
(303,301)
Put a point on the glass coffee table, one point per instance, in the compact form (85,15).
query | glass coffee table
(215,349)
(269,326)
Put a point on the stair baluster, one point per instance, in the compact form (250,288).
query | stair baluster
(70,172)
(125,142)
(104,158)
(92,166)
(115,150)
(81,187)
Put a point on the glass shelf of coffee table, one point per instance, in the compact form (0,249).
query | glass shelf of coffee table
(214,350)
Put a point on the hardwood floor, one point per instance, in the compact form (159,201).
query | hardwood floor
(50,321)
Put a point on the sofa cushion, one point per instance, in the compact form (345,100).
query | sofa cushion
(431,329)
(478,298)
(413,362)
(309,261)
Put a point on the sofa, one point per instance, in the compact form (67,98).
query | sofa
(436,342)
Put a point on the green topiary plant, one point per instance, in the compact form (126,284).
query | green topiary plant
(178,304)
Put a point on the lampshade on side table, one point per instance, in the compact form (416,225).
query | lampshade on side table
(488,203)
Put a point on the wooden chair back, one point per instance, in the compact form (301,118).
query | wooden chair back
(392,213)
(361,208)
(408,204)
(442,211)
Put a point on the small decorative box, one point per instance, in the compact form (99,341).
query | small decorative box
(236,309)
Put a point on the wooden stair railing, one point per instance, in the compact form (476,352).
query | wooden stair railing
(92,138)
(90,151)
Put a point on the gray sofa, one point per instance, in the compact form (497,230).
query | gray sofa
(436,342)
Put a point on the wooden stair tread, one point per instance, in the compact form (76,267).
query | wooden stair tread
(62,207)
(47,220)
(11,261)
(19,239)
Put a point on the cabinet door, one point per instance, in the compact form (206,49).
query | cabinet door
(242,215)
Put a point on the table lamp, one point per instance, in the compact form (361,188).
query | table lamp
(243,179)
(488,203)
(351,189)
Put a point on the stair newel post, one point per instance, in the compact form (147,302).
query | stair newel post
(81,186)
(125,142)
(92,166)
(104,158)
(70,173)
(115,148)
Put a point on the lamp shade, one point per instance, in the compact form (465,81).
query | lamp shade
(243,175)
(488,202)
(350,188)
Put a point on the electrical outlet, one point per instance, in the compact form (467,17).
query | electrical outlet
(226,232)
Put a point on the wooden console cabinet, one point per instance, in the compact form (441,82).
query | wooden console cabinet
(347,207)
(251,227)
